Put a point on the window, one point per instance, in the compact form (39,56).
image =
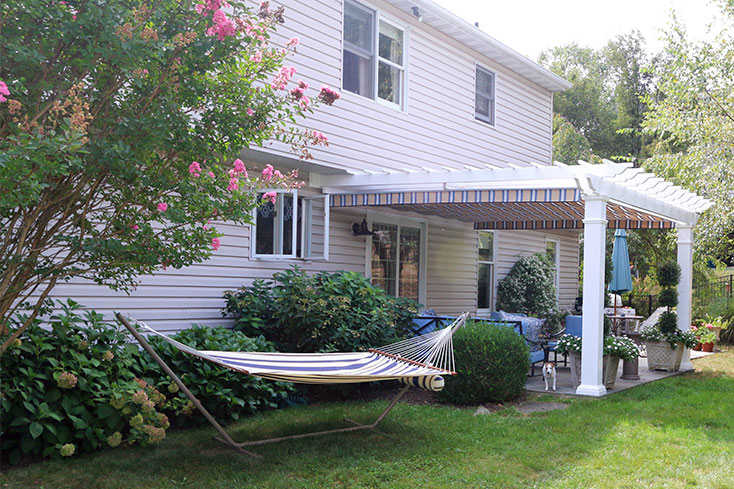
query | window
(286,228)
(373,58)
(485,282)
(396,259)
(553,252)
(484,96)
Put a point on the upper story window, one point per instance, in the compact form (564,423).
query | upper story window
(484,96)
(374,55)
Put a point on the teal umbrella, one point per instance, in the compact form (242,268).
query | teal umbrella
(621,275)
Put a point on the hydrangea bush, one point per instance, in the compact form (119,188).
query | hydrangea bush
(121,126)
(618,346)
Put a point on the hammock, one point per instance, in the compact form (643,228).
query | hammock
(419,361)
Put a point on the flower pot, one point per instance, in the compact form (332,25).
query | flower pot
(697,347)
(610,366)
(717,330)
(707,347)
(660,355)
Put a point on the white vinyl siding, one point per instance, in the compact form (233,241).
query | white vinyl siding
(438,128)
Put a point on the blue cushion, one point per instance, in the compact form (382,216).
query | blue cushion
(536,356)
(574,325)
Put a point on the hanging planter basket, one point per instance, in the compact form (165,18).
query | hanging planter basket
(660,356)
(610,367)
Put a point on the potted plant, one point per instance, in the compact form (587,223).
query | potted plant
(615,347)
(664,342)
(706,338)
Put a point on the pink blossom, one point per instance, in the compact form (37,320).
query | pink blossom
(293,41)
(3,91)
(250,112)
(195,169)
(327,95)
(233,184)
(222,27)
(162,206)
(134,227)
(302,85)
(268,173)
(270,196)
(277,174)
(211,174)
(239,167)
(282,78)
(216,243)
(257,57)
(201,8)
(304,102)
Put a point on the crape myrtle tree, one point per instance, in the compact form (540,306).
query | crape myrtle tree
(120,124)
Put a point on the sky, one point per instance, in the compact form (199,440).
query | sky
(531,26)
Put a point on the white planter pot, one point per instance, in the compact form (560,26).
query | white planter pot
(610,367)
(660,356)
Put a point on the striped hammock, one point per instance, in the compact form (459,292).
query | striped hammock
(421,361)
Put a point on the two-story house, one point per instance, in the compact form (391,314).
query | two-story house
(438,176)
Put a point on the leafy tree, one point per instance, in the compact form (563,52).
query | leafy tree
(120,124)
(569,145)
(694,124)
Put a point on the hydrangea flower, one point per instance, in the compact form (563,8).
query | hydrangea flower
(140,397)
(136,421)
(114,439)
(67,450)
(66,380)
(108,356)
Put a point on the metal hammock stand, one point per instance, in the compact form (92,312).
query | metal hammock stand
(418,361)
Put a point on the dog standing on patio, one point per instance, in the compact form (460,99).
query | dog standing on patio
(549,372)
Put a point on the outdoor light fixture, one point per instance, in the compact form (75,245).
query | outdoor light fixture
(362,229)
(417,14)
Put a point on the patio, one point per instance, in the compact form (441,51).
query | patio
(564,385)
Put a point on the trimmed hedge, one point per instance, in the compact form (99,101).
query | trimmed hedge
(491,363)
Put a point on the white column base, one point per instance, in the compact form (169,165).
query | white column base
(686,364)
(591,390)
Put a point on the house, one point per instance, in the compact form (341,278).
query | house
(441,144)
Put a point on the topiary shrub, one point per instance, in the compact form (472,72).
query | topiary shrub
(668,274)
(322,312)
(529,287)
(491,363)
(226,394)
(72,389)
(668,297)
(668,322)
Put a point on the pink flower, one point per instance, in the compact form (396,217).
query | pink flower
(194,169)
(134,227)
(268,173)
(257,57)
(238,167)
(304,102)
(201,8)
(3,91)
(293,41)
(211,174)
(216,243)
(282,78)
(162,206)
(302,85)
(222,27)
(277,174)
(250,112)
(270,196)
(233,184)
(327,95)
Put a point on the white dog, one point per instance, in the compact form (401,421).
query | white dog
(549,372)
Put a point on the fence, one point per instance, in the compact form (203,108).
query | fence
(715,296)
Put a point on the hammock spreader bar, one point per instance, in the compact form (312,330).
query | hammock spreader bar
(398,361)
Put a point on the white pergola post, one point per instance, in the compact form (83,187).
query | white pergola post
(685,286)
(595,226)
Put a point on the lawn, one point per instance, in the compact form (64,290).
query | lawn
(674,433)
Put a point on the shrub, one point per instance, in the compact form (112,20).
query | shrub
(668,274)
(529,287)
(71,390)
(668,297)
(226,394)
(668,322)
(323,312)
(491,362)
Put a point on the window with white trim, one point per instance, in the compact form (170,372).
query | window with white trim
(397,256)
(484,96)
(485,276)
(373,63)
(291,227)
(553,252)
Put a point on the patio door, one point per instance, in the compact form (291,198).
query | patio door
(485,272)
(396,260)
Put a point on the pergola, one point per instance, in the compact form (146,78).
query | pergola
(592,197)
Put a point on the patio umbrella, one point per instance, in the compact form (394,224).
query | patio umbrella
(621,275)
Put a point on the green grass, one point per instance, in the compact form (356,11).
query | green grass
(675,433)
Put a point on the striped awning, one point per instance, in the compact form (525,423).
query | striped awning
(549,208)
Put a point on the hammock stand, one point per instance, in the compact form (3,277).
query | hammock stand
(429,356)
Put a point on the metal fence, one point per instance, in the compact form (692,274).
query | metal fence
(715,294)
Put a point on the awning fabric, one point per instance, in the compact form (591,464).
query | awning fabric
(550,208)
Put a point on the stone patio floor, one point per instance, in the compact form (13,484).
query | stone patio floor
(564,385)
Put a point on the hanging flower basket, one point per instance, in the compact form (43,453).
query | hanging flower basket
(661,356)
